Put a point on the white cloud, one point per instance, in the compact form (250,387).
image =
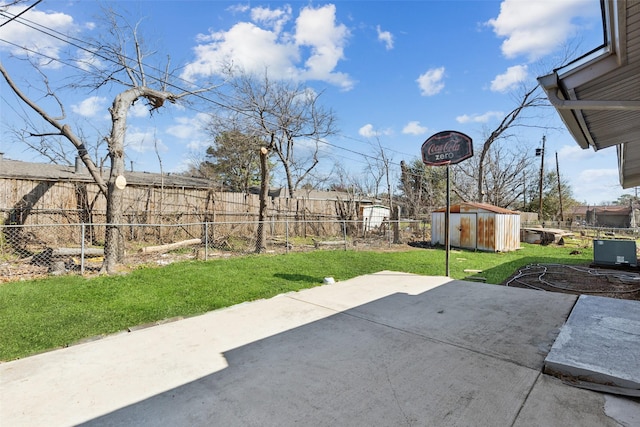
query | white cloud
(311,49)
(139,109)
(88,61)
(479,118)
(537,28)
(33,40)
(368,131)
(272,18)
(510,79)
(182,166)
(190,130)
(596,186)
(198,144)
(430,83)
(593,176)
(573,152)
(414,128)
(317,29)
(143,140)
(90,107)
(188,127)
(385,37)
(247,46)
(238,8)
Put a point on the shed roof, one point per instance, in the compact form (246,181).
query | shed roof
(473,206)
(51,172)
(598,95)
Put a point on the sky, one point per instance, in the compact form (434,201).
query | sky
(393,72)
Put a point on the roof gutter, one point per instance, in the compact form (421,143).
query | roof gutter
(560,85)
(572,119)
(588,104)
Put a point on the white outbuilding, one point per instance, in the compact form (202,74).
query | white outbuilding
(478,226)
(373,216)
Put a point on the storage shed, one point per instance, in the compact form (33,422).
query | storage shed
(373,216)
(478,226)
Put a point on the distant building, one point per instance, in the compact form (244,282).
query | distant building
(614,216)
(373,216)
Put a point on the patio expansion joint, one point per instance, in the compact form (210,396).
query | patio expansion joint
(422,336)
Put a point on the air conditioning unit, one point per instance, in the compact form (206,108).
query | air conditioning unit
(615,252)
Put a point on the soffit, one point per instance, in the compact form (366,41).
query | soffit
(599,100)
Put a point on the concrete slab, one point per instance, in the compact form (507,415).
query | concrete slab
(342,370)
(384,349)
(553,403)
(516,325)
(88,380)
(599,345)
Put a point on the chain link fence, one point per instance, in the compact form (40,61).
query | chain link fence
(36,250)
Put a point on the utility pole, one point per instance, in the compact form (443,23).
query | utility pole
(524,191)
(540,152)
(559,188)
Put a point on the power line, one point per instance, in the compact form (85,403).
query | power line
(71,65)
(95,50)
(20,14)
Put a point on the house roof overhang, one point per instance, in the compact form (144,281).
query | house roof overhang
(598,95)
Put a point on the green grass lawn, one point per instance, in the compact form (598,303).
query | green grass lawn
(54,312)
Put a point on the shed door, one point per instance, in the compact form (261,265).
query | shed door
(463,230)
(468,231)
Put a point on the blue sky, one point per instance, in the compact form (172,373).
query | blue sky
(394,72)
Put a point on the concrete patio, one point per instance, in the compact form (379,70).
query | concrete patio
(385,349)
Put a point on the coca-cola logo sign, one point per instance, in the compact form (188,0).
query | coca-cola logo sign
(447,147)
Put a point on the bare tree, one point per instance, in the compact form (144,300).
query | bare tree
(376,169)
(121,65)
(353,192)
(530,98)
(385,162)
(284,116)
(56,149)
(345,181)
(378,172)
(505,170)
(422,187)
(287,115)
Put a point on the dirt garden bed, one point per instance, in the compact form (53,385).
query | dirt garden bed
(577,280)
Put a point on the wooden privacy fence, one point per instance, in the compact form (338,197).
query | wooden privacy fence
(24,202)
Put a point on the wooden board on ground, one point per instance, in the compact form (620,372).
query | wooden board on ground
(170,246)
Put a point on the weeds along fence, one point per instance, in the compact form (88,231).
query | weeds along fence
(28,251)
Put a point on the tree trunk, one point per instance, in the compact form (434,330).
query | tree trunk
(483,155)
(395,216)
(264,193)
(114,238)
(291,188)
